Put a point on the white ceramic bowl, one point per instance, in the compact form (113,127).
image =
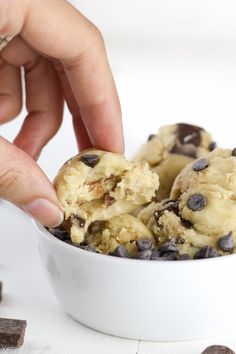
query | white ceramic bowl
(148,300)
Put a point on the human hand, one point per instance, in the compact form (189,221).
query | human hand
(63,57)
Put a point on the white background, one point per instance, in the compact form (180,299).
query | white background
(172,61)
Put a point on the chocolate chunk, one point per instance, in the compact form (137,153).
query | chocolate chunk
(184,257)
(97,226)
(206,252)
(89,248)
(0,291)
(226,243)
(60,233)
(186,150)
(212,146)
(218,349)
(196,202)
(144,244)
(189,134)
(168,246)
(12,332)
(200,165)
(78,220)
(121,251)
(145,254)
(90,160)
(156,255)
(170,256)
(234,152)
(151,136)
(186,223)
(108,200)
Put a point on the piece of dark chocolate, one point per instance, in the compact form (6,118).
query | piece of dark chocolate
(12,332)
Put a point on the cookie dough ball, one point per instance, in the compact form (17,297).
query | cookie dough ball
(122,230)
(98,185)
(202,213)
(171,150)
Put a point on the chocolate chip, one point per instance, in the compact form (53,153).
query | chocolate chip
(226,243)
(121,251)
(234,152)
(97,226)
(206,252)
(185,150)
(186,223)
(144,244)
(151,136)
(156,255)
(12,332)
(78,220)
(60,234)
(218,349)
(196,202)
(200,165)
(189,134)
(184,257)
(168,246)
(108,200)
(145,254)
(90,160)
(90,248)
(212,146)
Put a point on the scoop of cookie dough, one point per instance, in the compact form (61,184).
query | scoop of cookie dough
(122,230)
(171,150)
(98,185)
(201,214)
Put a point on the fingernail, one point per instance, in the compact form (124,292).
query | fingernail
(45,212)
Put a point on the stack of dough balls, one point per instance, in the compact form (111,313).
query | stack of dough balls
(175,201)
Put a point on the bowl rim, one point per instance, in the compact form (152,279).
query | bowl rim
(63,245)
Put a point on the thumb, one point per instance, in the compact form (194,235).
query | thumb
(24,184)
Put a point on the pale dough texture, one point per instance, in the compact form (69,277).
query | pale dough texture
(98,185)
(123,230)
(171,149)
(202,205)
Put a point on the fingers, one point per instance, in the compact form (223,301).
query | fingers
(10,92)
(81,134)
(81,49)
(43,98)
(23,183)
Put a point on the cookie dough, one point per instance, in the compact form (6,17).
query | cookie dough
(201,212)
(123,230)
(98,185)
(171,150)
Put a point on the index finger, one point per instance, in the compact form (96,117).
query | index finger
(58,30)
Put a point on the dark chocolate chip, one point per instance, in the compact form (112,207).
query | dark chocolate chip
(206,252)
(212,146)
(145,254)
(144,244)
(185,150)
(218,349)
(12,332)
(200,165)
(168,246)
(184,257)
(60,234)
(196,202)
(78,220)
(169,256)
(121,251)
(89,248)
(234,152)
(97,226)
(189,134)
(151,136)
(90,160)
(156,255)
(226,243)
(186,223)
(108,200)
